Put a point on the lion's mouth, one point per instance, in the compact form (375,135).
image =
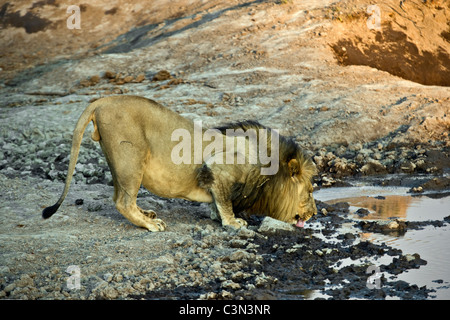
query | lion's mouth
(300,223)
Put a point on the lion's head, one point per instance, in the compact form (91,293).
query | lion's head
(299,202)
(286,195)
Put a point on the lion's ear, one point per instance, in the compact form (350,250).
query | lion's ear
(294,167)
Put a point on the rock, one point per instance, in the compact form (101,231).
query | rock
(412,261)
(384,226)
(4,270)
(238,243)
(229,284)
(393,225)
(24,281)
(139,78)
(408,167)
(409,257)
(270,225)
(108,277)
(341,167)
(362,212)
(355,146)
(94,80)
(162,75)
(434,184)
(246,233)
(128,79)
(109,75)
(373,167)
(239,255)
(10,287)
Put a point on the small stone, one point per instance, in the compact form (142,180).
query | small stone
(239,255)
(229,284)
(94,80)
(109,75)
(246,233)
(108,277)
(417,189)
(349,236)
(409,257)
(128,79)
(393,225)
(9,287)
(362,212)
(140,78)
(24,281)
(226,295)
(162,75)
(373,167)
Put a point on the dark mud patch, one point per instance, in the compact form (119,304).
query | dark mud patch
(306,264)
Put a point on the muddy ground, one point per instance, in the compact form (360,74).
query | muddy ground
(313,69)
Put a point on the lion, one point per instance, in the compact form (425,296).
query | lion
(135,135)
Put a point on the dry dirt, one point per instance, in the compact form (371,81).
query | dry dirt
(362,101)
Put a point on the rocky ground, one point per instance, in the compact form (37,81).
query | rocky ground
(194,259)
(312,69)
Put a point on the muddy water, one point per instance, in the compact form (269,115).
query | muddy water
(431,243)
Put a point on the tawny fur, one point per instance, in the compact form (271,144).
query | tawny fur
(135,136)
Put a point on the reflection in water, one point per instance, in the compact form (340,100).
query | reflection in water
(431,243)
(384,203)
(381,207)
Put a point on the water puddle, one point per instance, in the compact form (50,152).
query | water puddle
(386,203)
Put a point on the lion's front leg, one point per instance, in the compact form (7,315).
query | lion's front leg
(224,207)
(228,218)
(219,179)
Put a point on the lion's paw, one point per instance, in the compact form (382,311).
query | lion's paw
(241,222)
(236,223)
(156,225)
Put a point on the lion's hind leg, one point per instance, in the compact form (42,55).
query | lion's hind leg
(126,164)
(126,205)
(126,191)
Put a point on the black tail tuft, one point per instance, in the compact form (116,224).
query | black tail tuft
(49,211)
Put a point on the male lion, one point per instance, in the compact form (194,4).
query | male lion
(135,136)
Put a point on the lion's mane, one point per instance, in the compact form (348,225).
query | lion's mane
(271,195)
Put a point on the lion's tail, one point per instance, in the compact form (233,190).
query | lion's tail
(86,117)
